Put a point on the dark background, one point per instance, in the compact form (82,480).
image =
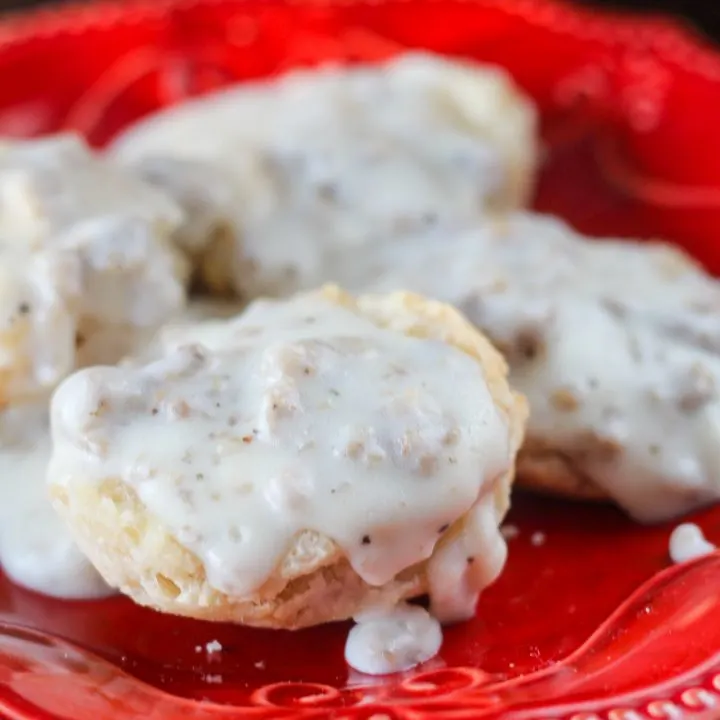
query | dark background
(704,14)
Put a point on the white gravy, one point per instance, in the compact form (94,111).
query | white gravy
(301,415)
(59,199)
(392,641)
(87,272)
(687,542)
(36,549)
(615,344)
(304,167)
(38,297)
(55,186)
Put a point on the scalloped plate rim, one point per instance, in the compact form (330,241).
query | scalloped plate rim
(670,35)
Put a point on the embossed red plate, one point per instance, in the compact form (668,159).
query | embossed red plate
(592,623)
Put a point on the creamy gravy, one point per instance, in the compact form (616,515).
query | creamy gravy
(201,313)
(87,272)
(301,415)
(38,298)
(306,166)
(60,200)
(36,550)
(202,319)
(687,542)
(53,187)
(36,352)
(392,641)
(615,344)
(205,191)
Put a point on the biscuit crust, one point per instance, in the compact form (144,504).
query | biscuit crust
(545,469)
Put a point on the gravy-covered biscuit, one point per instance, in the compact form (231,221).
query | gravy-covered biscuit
(55,186)
(615,344)
(57,196)
(302,463)
(279,178)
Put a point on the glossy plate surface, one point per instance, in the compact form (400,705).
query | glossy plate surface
(589,621)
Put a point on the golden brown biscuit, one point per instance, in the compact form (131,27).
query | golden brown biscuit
(311,344)
(545,469)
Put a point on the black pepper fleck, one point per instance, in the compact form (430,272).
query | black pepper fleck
(444,528)
(334,392)
(24,308)
(366,540)
(327,191)
(528,344)
(199,476)
(470,560)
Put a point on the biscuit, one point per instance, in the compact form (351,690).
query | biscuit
(88,270)
(280,178)
(59,197)
(614,343)
(546,470)
(298,429)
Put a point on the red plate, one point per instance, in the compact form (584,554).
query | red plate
(592,624)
